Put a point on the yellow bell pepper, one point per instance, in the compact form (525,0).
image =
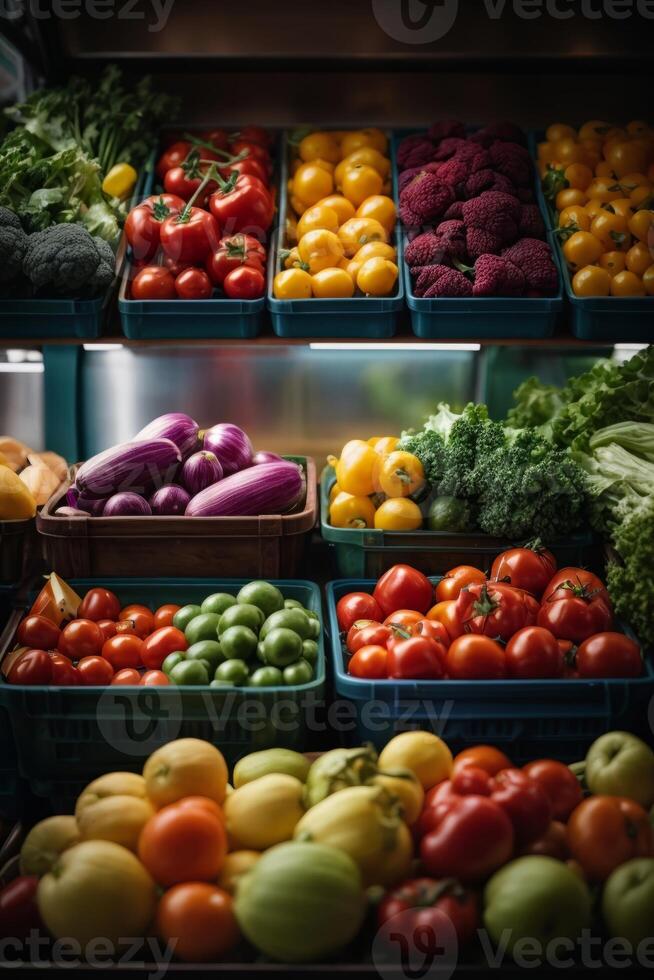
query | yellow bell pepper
(334,492)
(399,474)
(348,511)
(384,444)
(120,181)
(16,501)
(355,468)
(398,514)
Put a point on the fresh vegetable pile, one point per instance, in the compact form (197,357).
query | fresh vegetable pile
(340,240)
(168,469)
(525,620)
(467,204)
(469,850)
(206,233)
(599,180)
(256,638)
(27,479)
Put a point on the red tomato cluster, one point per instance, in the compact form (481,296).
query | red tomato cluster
(525,621)
(208,225)
(104,644)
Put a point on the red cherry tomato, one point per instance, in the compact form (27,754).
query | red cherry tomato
(38,632)
(143,224)
(575,617)
(63,672)
(609,655)
(403,619)
(533,652)
(485,757)
(128,677)
(33,667)
(217,137)
(245,282)
(403,587)
(99,604)
(254,150)
(249,166)
(153,282)
(141,617)
(576,581)
(108,627)
(456,579)
(495,609)
(175,268)
(154,678)
(193,283)
(234,252)
(173,157)
(369,662)
(356,605)
(432,628)
(372,634)
(125,627)
(159,644)
(418,658)
(164,615)
(445,612)
(559,783)
(243,204)
(95,671)
(529,568)
(254,134)
(474,657)
(183,182)
(190,236)
(123,651)
(81,638)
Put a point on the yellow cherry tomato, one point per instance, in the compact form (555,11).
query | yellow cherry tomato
(630,181)
(641,196)
(354,469)
(318,216)
(604,169)
(366,155)
(604,190)
(560,131)
(384,445)
(398,514)
(593,208)
(545,151)
(399,474)
(648,280)
(334,283)
(334,492)
(290,226)
(594,129)
(627,284)
(371,249)
(611,230)
(568,197)
(638,259)
(569,151)
(591,281)
(377,276)
(292,284)
(357,138)
(359,231)
(638,128)
(311,182)
(319,146)
(348,511)
(641,224)
(622,206)
(578,176)
(292,259)
(336,202)
(352,269)
(626,157)
(360,182)
(613,262)
(298,206)
(320,249)
(575,215)
(582,249)
(380,207)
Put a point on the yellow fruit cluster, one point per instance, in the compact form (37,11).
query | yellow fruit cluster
(340,192)
(600,178)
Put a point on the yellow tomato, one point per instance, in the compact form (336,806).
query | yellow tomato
(296,163)
(380,207)
(604,169)
(334,283)
(398,514)
(622,206)
(375,248)
(298,206)
(591,281)
(578,176)
(560,131)
(359,231)
(355,467)
(627,284)
(318,216)
(575,215)
(640,225)
(292,258)
(604,190)
(626,158)
(292,284)
(357,138)
(630,181)
(383,444)
(640,196)
(569,196)
(360,182)
(399,474)
(613,262)
(638,259)
(611,230)
(648,280)
(290,226)
(366,155)
(352,269)
(348,511)
(377,276)
(568,151)
(638,128)
(582,249)
(336,202)
(594,129)
(320,249)
(311,182)
(321,146)
(545,151)
(593,208)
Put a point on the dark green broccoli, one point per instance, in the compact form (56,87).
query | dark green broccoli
(67,261)
(631,583)
(429,447)
(472,437)
(13,245)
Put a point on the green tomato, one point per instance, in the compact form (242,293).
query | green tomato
(299,673)
(242,614)
(310,613)
(171,661)
(263,595)
(202,627)
(315,627)
(238,643)
(282,647)
(234,671)
(266,677)
(310,651)
(224,684)
(190,672)
(261,653)
(448,514)
(217,603)
(290,619)
(292,604)
(208,650)
(183,616)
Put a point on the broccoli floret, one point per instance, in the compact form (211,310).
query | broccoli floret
(472,438)
(13,245)
(429,447)
(66,260)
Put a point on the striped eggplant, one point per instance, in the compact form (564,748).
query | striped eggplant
(176,426)
(137,466)
(270,488)
(231,445)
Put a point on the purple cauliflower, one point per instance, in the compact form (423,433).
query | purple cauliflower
(425,249)
(454,172)
(452,236)
(513,161)
(531,222)
(445,129)
(425,200)
(534,258)
(407,175)
(447,148)
(425,276)
(496,275)
(479,242)
(414,151)
(454,212)
(525,194)
(506,132)
(450,282)
(487,180)
(496,213)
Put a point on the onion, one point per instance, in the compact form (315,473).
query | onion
(126,504)
(176,426)
(231,445)
(265,457)
(72,496)
(89,504)
(40,481)
(270,488)
(169,501)
(201,470)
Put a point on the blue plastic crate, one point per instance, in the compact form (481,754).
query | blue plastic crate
(358,317)
(528,719)
(487,317)
(606,319)
(66,734)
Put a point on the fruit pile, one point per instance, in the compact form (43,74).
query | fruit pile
(600,180)
(526,620)
(27,478)
(280,862)
(342,218)
(207,231)
(256,638)
(467,203)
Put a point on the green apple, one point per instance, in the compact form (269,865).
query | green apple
(536,897)
(620,764)
(628,901)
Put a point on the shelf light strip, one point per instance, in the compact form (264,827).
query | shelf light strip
(107,347)
(21,367)
(396,347)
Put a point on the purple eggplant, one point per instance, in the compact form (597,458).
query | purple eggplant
(270,488)
(231,445)
(265,457)
(126,504)
(176,426)
(131,466)
(169,501)
(201,470)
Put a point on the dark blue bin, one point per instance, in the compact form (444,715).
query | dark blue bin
(359,317)
(528,719)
